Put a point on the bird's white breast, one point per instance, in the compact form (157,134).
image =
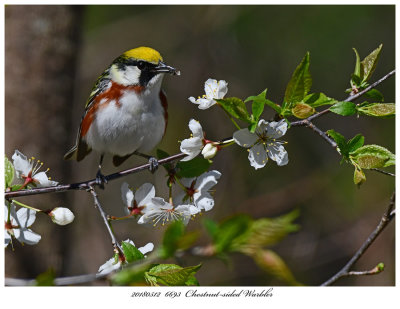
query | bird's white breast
(133,123)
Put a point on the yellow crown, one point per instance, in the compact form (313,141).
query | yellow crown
(144,53)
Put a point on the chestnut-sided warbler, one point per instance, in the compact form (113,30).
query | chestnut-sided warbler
(126,112)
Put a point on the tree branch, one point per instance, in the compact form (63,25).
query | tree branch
(383,172)
(322,134)
(86,185)
(304,122)
(345,271)
(97,204)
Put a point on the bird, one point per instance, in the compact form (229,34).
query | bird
(126,112)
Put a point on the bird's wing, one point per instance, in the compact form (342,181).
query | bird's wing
(81,148)
(102,83)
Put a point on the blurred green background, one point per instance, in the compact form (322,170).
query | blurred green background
(252,48)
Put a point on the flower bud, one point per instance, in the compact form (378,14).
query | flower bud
(61,216)
(209,151)
(303,110)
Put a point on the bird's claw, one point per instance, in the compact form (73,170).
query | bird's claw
(101,179)
(153,162)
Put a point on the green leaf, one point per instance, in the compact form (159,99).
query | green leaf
(359,176)
(235,107)
(302,110)
(171,237)
(340,141)
(318,99)
(381,110)
(300,83)
(274,106)
(372,156)
(355,81)
(375,95)
(355,143)
(265,232)
(131,252)
(211,227)
(46,278)
(252,128)
(173,275)
(258,103)
(357,68)
(192,168)
(8,172)
(273,264)
(368,65)
(161,154)
(130,275)
(257,108)
(15,187)
(187,240)
(343,108)
(228,230)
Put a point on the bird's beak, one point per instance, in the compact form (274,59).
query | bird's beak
(163,68)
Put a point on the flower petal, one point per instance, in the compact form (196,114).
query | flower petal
(21,164)
(277,129)
(25,217)
(159,203)
(205,103)
(109,266)
(278,154)
(42,180)
(147,248)
(184,212)
(210,88)
(245,138)
(196,128)
(207,180)
(193,100)
(28,237)
(222,89)
(204,200)
(258,156)
(144,194)
(192,147)
(7,238)
(127,195)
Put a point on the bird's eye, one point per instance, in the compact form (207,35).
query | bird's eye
(141,65)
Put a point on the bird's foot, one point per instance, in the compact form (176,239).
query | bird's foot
(101,179)
(153,162)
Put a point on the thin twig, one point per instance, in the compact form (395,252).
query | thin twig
(97,204)
(322,134)
(80,279)
(386,218)
(350,98)
(85,185)
(383,172)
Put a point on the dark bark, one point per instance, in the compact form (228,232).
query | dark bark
(41,48)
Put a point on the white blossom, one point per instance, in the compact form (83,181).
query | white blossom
(136,202)
(192,146)
(115,263)
(214,90)
(61,216)
(197,190)
(28,170)
(19,224)
(163,212)
(264,143)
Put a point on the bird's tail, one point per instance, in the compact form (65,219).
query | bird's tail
(78,152)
